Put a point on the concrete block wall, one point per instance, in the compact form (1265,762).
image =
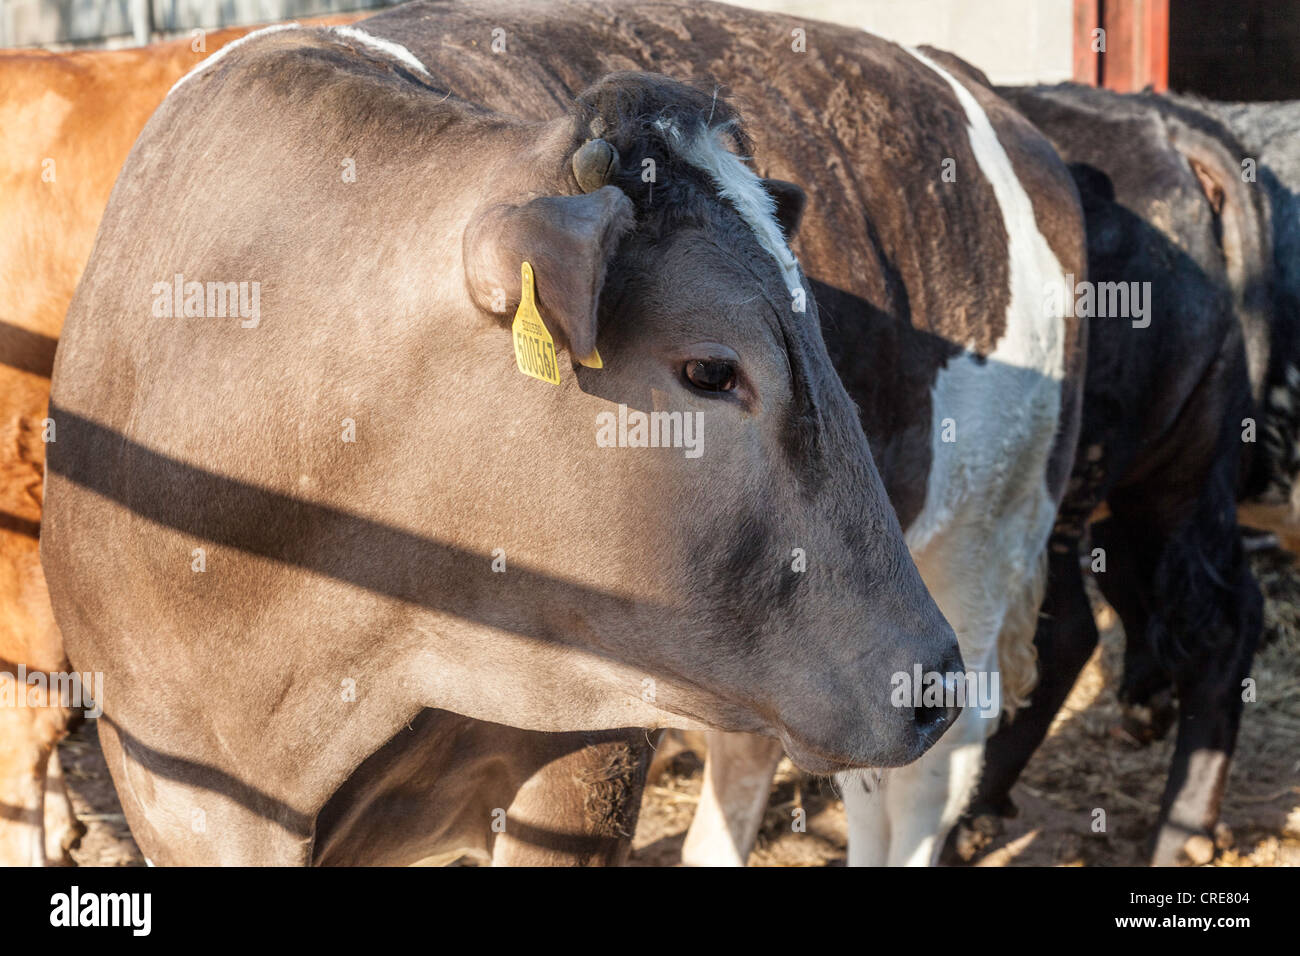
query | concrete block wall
(111,23)
(1013,41)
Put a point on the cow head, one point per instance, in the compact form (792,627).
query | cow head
(700,460)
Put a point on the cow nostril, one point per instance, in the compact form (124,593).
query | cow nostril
(935,718)
(933,721)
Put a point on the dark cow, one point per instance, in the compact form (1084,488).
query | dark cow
(1168,422)
(284,532)
(1270,136)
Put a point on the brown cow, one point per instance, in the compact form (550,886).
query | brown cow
(69,121)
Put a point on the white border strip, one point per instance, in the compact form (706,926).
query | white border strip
(395,50)
(203,65)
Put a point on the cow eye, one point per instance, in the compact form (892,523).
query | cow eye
(711,375)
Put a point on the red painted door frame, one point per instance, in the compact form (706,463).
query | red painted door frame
(1137,44)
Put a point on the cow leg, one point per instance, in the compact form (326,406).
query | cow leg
(737,782)
(924,800)
(446,787)
(906,823)
(22,789)
(868,818)
(1146,691)
(62,828)
(28,635)
(1210,708)
(1205,612)
(185,811)
(580,808)
(1065,638)
(1209,649)
(992,602)
(27,739)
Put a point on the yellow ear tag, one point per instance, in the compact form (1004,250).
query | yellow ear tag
(534,347)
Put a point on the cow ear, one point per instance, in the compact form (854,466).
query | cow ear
(569,240)
(790,201)
(1210,183)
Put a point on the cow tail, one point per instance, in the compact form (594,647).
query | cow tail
(1017,656)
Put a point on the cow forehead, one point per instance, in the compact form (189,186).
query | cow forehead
(692,281)
(740,188)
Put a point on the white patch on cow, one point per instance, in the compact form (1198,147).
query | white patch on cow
(709,841)
(738,185)
(203,65)
(1027,362)
(982,531)
(733,799)
(393,49)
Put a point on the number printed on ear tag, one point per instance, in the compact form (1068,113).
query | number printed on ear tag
(534,347)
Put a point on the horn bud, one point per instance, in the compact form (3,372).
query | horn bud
(595,164)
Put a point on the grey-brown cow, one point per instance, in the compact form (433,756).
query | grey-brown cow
(283,534)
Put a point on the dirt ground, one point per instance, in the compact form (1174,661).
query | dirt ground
(1086,762)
